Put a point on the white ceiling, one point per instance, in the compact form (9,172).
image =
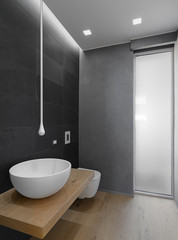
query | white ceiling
(111,20)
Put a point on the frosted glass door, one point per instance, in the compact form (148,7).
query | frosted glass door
(153,123)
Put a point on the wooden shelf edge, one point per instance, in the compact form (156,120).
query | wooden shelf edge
(21,227)
(56,218)
(14,207)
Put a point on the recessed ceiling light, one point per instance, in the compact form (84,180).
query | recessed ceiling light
(87,32)
(137,21)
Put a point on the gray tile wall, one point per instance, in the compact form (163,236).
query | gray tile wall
(19,91)
(106,116)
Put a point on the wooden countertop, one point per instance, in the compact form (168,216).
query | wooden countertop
(36,217)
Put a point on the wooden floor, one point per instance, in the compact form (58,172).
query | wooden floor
(114,217)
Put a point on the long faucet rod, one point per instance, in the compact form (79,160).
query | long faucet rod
(41,131)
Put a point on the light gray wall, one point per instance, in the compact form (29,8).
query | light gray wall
(176,124)
(106,115)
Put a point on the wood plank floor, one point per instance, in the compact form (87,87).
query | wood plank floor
(110,216)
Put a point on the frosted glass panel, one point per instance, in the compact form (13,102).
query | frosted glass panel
(153,121)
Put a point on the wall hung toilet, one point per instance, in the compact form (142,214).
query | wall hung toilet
(92,187)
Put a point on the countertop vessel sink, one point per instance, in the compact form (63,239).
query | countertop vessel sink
(40,178)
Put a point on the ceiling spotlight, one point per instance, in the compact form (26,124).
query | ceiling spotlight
(87,32)
(137,21)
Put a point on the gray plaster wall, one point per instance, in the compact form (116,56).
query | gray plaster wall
(176,124)
(106,116)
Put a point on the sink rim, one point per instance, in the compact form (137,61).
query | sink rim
(41,160)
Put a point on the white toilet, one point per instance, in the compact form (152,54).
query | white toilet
(92,187)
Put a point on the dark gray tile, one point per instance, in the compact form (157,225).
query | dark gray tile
(4,177)
(71,64)
(53,93)
(52,70)
(53,48)
(15,143)
(70,116)
(70,81)
(54,152)
(53,27)
(21,18)
(70,98)
(41,143)
(19,92)
(53,115)
(11,78)
(70,153)
(74,132)
(71,48)
(16,112)
(15,49)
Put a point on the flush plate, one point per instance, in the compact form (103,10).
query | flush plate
(67,137)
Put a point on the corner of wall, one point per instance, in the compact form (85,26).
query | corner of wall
(176,122)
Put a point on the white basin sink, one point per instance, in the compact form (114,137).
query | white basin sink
(40,178)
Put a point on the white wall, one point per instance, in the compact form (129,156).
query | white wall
(176,123)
